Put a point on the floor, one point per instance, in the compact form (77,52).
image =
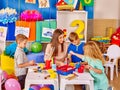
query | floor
(116,82)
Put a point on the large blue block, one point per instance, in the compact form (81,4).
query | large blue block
(90,10)
(38,57)
(10,31)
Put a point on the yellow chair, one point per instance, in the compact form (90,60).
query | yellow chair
(7,64)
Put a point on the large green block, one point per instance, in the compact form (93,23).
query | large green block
(39,29)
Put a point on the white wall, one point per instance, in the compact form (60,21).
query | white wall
(107,9)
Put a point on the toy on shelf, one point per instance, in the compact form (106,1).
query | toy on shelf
(115,38)
(8,15)
(62,5)
(65,70)
(101,39)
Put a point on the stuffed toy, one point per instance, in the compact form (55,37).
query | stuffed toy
(115,38)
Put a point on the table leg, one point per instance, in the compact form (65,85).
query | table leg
(62,86)
(87,87)
(91,85)
(27,85)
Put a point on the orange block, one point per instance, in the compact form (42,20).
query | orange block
(31,25)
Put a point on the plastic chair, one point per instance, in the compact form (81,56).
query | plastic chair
(2,79)
(113,52)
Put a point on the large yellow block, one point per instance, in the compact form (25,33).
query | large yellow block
(7,64)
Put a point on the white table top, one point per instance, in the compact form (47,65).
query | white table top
(39,78)
(35,76)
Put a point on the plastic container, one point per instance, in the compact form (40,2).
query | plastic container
(48,64)
(65,70)
(81,69)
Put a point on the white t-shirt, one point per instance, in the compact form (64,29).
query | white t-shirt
(20,58)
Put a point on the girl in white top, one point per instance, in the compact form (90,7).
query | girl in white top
(57,48)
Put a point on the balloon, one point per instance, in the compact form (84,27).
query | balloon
(36,47)
(12,84)
(35,87)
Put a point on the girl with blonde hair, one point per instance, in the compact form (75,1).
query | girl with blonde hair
(94,58)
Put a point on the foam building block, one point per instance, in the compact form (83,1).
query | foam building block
(90,10)
(7,64)
(44,24)
(38,57)
(31,25)
(10,31)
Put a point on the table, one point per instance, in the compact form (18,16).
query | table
(39,78)
(82,78)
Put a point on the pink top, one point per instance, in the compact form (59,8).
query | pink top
(61,55)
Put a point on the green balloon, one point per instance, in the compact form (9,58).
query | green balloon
(36,47)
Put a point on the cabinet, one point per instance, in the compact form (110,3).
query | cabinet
(73,21)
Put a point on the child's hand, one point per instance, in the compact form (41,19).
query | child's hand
(71,52)
(84,63)
(32,62)
(88,67)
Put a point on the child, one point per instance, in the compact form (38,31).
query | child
(93,56)
(75,46)
(21,60)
